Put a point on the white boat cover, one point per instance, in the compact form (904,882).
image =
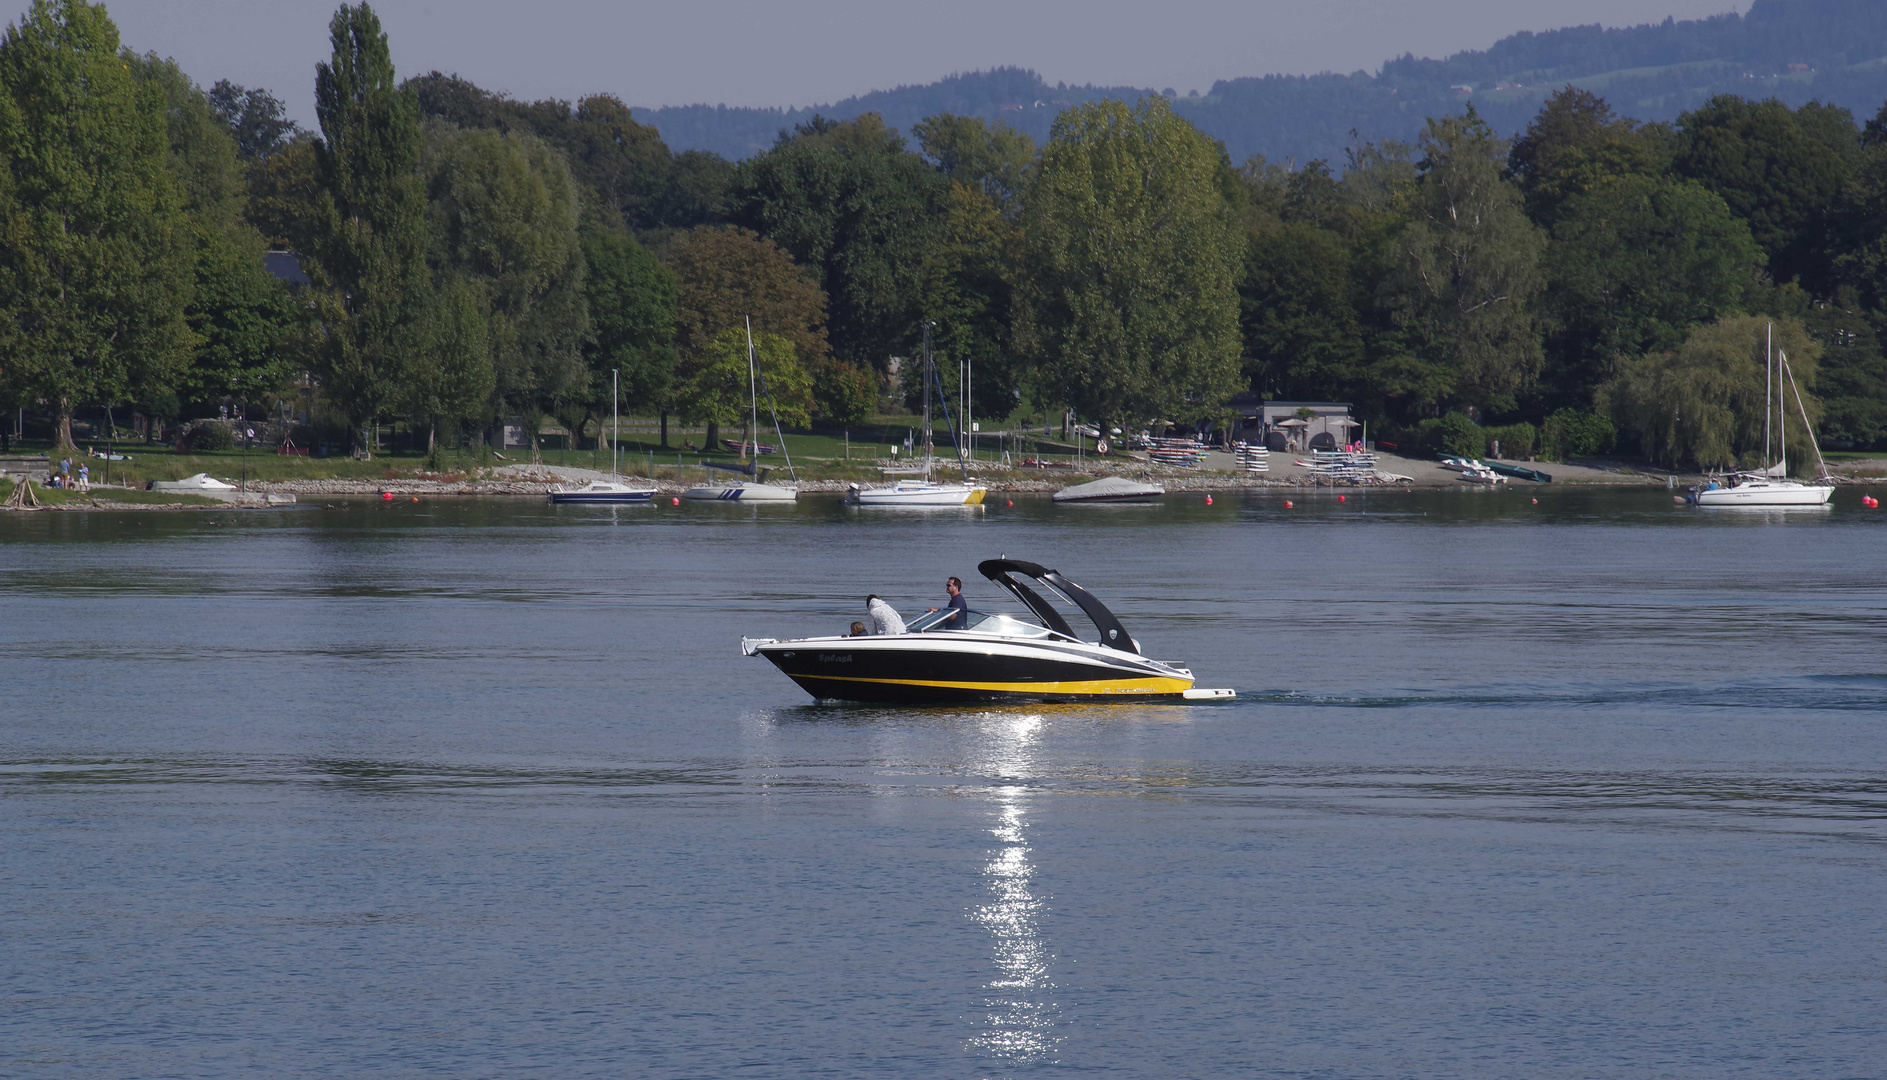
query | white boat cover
(1109,488)
(199,482)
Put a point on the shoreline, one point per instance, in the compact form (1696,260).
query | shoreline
(536,481)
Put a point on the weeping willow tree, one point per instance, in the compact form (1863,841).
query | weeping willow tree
(1702,404)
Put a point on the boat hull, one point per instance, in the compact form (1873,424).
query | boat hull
(950,668)
(1804,495)
(919,495)
(563,498)
(740,493)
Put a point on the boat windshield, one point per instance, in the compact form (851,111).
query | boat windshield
(983,622)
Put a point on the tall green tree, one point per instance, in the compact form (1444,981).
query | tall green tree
(1703,403)
(1575,145)
(632,299)
(1634,263)
(1467,269)
(95,274)
(995,158)
(850,201)
(446,376)
(1780,178)
(725,275)
(716,389)
(1132,311)
(248,330)
(970,294)
(1298,312)
(370,234)
(1852,378)
(505,216)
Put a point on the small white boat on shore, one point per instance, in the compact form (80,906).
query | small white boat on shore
(1481,474)
(1110,489)
(201,482)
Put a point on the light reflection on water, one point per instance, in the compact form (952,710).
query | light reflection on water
(1020,999)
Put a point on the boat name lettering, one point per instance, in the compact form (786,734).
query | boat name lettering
(835,658)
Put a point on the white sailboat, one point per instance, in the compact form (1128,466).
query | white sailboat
(613,490)
(925,492)
(751,490)
(1771,485)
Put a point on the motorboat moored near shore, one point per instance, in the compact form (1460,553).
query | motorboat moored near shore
(992,657)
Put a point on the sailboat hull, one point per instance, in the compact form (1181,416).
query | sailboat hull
(918,493)
(1766,494)
(748,493)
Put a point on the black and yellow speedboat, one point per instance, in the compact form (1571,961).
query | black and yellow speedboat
(993,657)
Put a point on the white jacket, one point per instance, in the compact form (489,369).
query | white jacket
(883,619)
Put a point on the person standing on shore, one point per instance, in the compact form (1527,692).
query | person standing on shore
(85,478)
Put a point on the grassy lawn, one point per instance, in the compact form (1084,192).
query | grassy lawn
(818,455)
(55,497)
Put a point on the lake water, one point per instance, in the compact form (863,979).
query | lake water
(1590,788)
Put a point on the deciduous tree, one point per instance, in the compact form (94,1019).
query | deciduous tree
(1467,268)
(1703,403)
(1132,309)
(370,233)
(95,271)
(505,217)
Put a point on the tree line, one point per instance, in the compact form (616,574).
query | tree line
(476,260)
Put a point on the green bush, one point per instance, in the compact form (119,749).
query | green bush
(1576,433)
(212,436)
(1516,440)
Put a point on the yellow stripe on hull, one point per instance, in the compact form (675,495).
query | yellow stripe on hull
(1097,687)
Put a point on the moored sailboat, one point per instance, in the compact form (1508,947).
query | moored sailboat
(924,492)
(1771,485)
(754,490)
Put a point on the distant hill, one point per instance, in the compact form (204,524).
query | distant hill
(1796,50)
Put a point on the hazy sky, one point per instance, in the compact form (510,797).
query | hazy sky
(743,52)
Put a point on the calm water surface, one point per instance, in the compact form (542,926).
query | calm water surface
(1590,788)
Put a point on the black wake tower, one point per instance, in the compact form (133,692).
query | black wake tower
(1113,634)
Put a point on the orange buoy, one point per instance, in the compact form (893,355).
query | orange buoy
(415,498)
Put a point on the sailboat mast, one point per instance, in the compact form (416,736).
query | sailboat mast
(615,420)
(753,398)
(927,378)
(1782,415)
(1769,407)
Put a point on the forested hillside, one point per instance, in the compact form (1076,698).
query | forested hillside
(1834,51)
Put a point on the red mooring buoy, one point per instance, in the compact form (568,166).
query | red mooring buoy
(1287,504)
(1208,500)
(387,495)
(674,502)
(1340,498)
